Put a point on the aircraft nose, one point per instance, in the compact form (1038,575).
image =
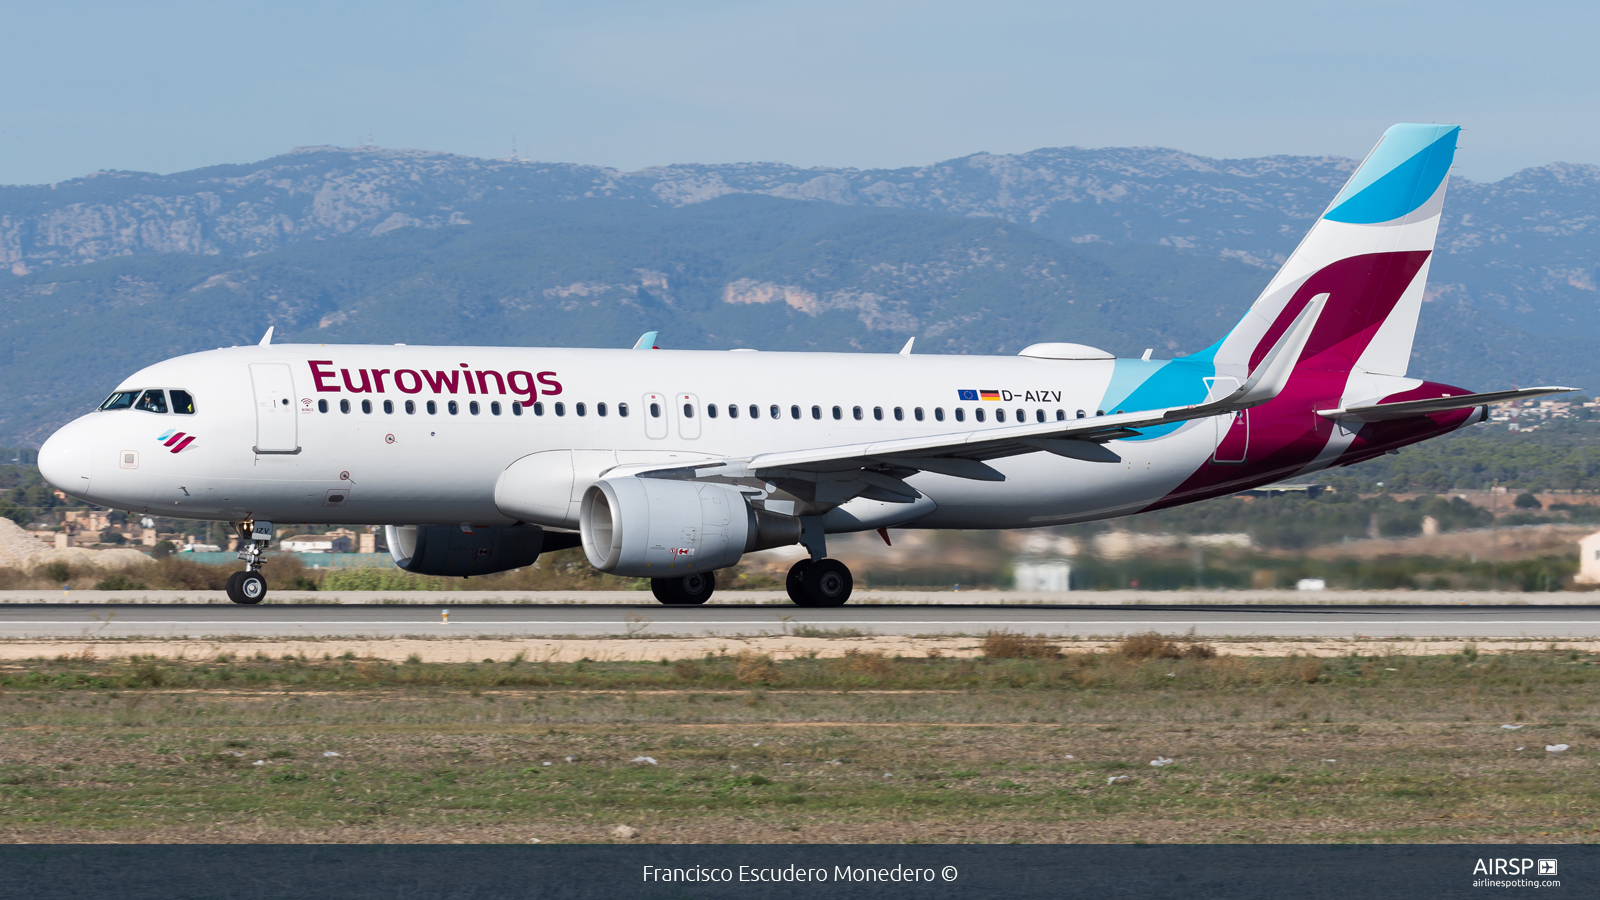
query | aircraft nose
(65,458)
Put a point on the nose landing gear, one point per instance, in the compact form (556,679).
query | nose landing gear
(248,587)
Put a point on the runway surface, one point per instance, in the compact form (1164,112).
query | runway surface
(300,621)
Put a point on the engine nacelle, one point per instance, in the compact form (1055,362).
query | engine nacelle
(483,550)
(661,528)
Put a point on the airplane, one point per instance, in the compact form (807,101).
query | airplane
(671,465)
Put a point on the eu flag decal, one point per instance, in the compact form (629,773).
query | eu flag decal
(966,395)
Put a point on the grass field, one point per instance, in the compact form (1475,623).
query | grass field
(1019,746)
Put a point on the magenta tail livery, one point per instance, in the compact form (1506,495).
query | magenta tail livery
(672,464)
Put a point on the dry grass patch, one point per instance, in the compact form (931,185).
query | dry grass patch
(1150,645)
(1010,645)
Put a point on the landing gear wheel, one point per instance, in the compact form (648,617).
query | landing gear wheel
(795,584)
(690,590)
(826,582)
(247,588)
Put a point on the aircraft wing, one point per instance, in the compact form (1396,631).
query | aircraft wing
(876,469)
(1372,411)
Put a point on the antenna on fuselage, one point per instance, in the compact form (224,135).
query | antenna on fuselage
(266,338)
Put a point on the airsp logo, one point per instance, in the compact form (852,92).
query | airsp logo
(1512,866)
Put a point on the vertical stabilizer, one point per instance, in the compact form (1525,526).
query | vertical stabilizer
(1369,252)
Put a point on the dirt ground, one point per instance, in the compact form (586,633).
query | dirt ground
(449,650)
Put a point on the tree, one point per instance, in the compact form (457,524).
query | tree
(1527,501)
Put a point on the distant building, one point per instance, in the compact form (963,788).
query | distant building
(1043,575)
(1589,560)
(316,543)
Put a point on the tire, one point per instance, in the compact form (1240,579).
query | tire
(247,588)
(690,590)
(827,582)
(665,590)
(693,590)
(795,582)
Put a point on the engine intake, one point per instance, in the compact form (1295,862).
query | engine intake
(660,528)
(483,550)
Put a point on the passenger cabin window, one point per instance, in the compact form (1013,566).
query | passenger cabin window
(411,407)
(494,408)
(856,411)
(755,411)
(622,410)
(978,414)
(453,407)
(999,415)
(838,413)
(938,414)
(712,410)
(561,408)
(182,403)
(918,414)
(388,407)
(433,408)
(322,406)
(599,409)
(877,413)
(961,414)
(688,410)
(733,410)
(899,414)
(776,413)
(473,407)
(1080,414)
(120,400)
(152,401)
(538,408)
(655,411)
(344,406)
(366,407)
(794,412)
(516,408)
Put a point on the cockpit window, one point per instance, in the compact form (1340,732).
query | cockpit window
(182,403)
(152,401)
(120,400)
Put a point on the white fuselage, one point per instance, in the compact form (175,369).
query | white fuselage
(390,466)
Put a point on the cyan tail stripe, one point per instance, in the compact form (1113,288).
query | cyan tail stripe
(1399,176)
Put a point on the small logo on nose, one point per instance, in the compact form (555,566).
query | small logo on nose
(176,440)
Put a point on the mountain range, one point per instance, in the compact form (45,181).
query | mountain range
(1124,248)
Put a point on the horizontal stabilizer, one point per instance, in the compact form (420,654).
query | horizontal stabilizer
(1378,412)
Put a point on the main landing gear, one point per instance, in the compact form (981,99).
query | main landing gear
(690,590)
(248,587)
(818,581)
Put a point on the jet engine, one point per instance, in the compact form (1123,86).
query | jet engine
(460,550)
(662,528)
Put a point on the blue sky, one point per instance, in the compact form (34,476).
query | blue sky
(178,85)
